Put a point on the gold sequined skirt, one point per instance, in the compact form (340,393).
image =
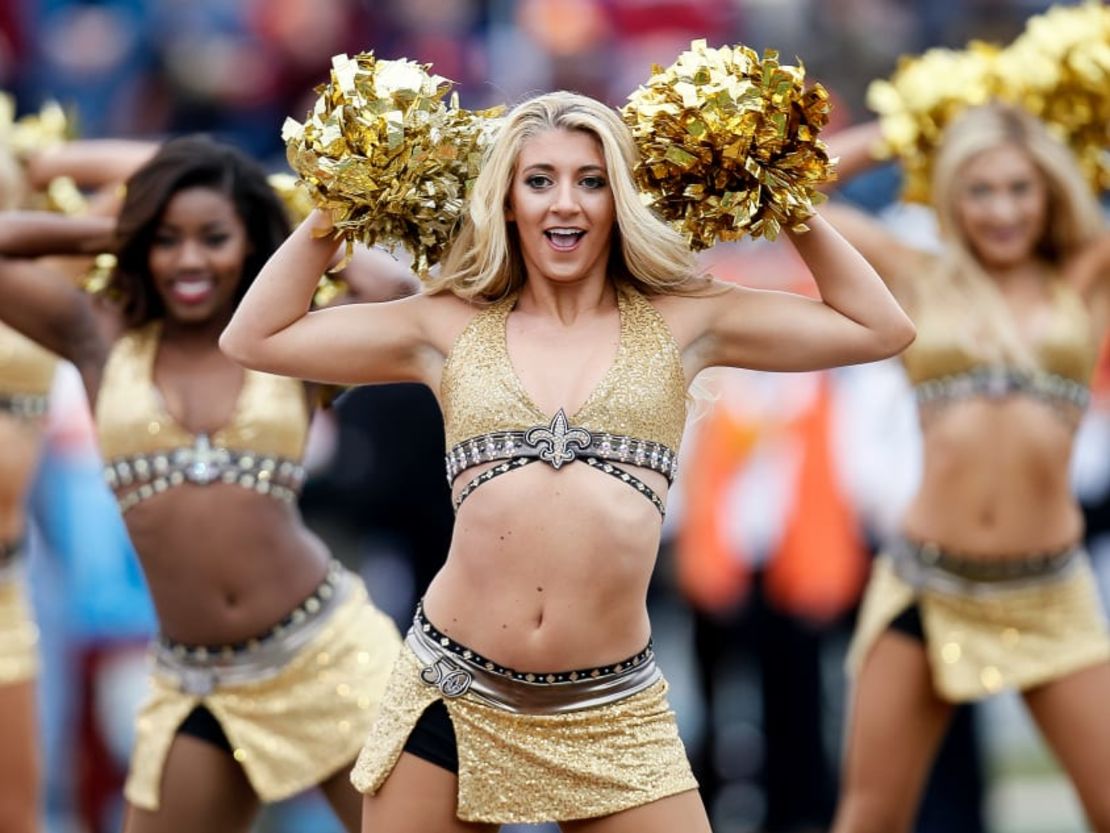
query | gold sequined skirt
(520,767)
(1009,635)
(293,729)
(19,636)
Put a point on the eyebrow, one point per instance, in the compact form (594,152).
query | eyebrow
(548,168)
(209,225)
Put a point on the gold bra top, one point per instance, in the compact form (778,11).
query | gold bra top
(26,374)
(148,451)
(635,415)
(944,365)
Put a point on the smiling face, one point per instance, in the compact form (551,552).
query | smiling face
(196,255)
(562,205)
(1002,205)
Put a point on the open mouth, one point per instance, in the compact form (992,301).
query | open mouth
(1004,235)
(192,291)
(564,239)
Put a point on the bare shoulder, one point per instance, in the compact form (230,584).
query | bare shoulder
(443,315)
(1089,270)
(688,315)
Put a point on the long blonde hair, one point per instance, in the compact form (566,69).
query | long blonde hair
(485,261)
(962,288)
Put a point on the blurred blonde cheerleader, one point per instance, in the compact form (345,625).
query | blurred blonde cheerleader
(989,586)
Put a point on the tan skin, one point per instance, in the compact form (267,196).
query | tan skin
(994,483)
(583,603)
(92,165)
(222,563)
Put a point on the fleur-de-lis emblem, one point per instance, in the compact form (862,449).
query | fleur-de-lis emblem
(451,680)
(559,439)
(201,460)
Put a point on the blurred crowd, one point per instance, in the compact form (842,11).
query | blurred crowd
(237,69)
(790,482)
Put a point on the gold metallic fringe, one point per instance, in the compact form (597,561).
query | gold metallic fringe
(34,133)
(922,98)
(386,156)
(729,144)
(1058,70)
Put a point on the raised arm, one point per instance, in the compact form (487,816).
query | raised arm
(92,163)
(372,276)
(895,262)
(29,234)
(43,304)
(855,150)
(856,319)
(1089,270)
(273,329)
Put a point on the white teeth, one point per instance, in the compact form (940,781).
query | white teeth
(192,288)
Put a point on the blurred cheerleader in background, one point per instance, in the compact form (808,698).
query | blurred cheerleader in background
(988,587)
(270,659)
(26,375)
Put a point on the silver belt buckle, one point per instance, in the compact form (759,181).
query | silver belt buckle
(197,681)
(451,680)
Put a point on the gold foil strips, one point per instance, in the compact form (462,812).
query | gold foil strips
(729,144)
(386,155)
(1058,70)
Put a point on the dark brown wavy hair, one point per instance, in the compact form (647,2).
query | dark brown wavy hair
(183,163)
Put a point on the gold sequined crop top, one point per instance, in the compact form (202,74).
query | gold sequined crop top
(635,415)
(26,373)
(148,451)
(944,365)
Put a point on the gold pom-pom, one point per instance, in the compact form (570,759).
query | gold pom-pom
(729,144)
(387,156)
(1059,70)
(97,279)
(293,195)
(922,98)
(35,133)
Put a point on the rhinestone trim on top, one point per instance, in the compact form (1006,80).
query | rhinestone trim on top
(997,382)
(556,444)
(559,443)
(201,464)
(24,406)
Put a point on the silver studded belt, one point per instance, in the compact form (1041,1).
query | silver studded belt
(201,669)
(141,477)
(456,671)
(926,566)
